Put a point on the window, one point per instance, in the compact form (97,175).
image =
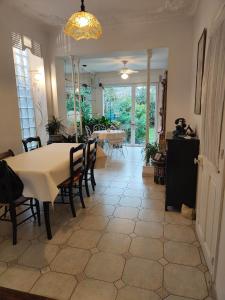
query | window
(24,92)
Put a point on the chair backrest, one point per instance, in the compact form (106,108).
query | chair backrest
(6,154)
(99,127)
(11,186)
(77,161)
(31,140)
(88,131)
(91,154)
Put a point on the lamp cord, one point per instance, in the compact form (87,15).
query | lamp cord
(82,5)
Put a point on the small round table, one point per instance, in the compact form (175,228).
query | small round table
(103,135)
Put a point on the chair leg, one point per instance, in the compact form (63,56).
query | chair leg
(71,201)
(62,194)
(12,211)
(81,193)
(38,212)
(86,183)
(32,208)
(92,182)
(93,176)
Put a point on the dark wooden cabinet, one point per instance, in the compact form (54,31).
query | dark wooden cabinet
(181,171)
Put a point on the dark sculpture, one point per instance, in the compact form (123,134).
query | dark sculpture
(182,129)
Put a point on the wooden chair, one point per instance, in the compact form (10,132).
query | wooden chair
(31,140)
(6,154)
(98,127)
(90,164)
(11,204)
(88,131)
(77,168)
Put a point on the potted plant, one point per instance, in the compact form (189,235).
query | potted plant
(54,128)
(149,152)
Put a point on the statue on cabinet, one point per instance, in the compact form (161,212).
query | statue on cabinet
(182,129)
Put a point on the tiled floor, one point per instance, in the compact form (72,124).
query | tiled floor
(123,246)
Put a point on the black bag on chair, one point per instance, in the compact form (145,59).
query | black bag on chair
(11,186)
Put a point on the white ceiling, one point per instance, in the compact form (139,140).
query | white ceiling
(56,12)
(113,63)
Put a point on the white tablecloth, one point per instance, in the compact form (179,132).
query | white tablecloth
(43,169)
(109,135)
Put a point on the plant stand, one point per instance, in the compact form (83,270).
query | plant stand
(159,171)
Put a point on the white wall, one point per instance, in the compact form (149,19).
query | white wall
(13,21)
(204,17)
(175,35)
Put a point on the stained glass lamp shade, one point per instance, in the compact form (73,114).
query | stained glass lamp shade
(83,25)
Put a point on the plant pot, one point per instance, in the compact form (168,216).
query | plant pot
(55,138)
(147,171)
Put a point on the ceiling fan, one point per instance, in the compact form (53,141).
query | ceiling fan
(125,72)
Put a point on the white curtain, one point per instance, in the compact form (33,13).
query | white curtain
(213,94)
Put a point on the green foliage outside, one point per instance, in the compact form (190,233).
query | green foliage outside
(117,110)
(85,105)
(118,105)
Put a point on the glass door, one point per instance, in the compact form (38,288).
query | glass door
(118,107)
(126,106)
(140,114)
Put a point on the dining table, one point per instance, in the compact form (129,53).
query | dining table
(42,170)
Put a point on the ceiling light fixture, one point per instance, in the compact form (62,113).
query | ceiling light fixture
(83,25)
(124,76)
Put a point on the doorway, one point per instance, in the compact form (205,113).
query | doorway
(126,107)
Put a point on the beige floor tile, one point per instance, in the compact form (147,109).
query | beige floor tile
(130,201)
(94,222)
(19,278)
(132,293)
(182,253)
(102,210)
(151,215)
(172,297)
(179,233)
(133,193)
(153,204)
(191,281)
(146,248)
(55,285)
(154,194)
(38,255)
(84,239)
(143,273)
(29,231)
(3,267)
(106,199)
(114,242)
(70,260)
(149,229)
(60,235)
(105,266)
(126,212)
(120,226)
(114,191)
(10,252)
(94,290)
(176,218)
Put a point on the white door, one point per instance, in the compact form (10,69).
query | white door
(209,204)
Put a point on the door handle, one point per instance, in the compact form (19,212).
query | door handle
(199,160)
(196,161)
